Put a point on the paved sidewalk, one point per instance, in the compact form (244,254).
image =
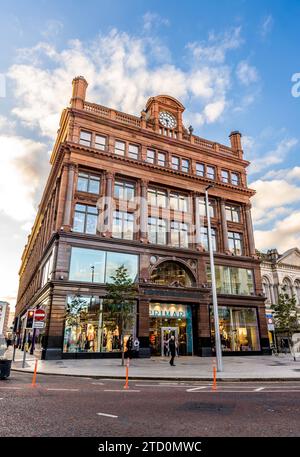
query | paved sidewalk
(245,368)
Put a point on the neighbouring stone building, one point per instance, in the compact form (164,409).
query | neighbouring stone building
(129,190)
(4,317)
(280,273)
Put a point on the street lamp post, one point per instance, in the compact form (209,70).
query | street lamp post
(213,286)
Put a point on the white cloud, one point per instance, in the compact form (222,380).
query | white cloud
(121,73)
(23,164)
(246,73)
(284,235)
(273,157)
(289,174)
(215,49)
(153,20)
(266,26)
(52,28)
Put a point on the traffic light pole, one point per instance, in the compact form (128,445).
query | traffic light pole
(24,350)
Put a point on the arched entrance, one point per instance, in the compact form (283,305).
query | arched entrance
(168,318)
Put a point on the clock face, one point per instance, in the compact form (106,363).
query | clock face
(167,120)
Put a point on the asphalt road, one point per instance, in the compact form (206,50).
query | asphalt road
(69,406)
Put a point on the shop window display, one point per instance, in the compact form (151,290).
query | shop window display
(171,273)
(89,327)
(238,329)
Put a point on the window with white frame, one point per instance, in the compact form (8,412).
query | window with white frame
(157,230)
(124,190)
(179,234)
(178,202)
(120,148)
(100,142)
(85,138)
(85,219)
(157,197)
(210,172)
(235,242)
(233,213)
(200,169)
(235,179)
(161,159)
(150,156)
(225,176)
(202,207)
(123,225)
(133,151)
(204,238)
(175,163)
(88,183)
(185,165)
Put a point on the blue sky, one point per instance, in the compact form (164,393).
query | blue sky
(229,62)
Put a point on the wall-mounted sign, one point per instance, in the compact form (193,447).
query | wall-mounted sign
(167,311)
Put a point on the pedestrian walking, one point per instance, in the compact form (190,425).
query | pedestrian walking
(129,346)
(172,349)
(136,347)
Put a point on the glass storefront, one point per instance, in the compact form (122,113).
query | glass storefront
(170,319)
(104,264)
(172,273)
(89,327)
(238,329)
(232,280)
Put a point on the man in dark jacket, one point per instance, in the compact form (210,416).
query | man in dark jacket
(172,349)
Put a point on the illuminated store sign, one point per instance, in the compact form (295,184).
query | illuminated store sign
(167,311)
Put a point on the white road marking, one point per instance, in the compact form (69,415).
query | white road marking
(12,388)
(196,389)
(1,398)
(107,415)
(258,389)
(71,390)
(159,385)
(97,383)
(121,390)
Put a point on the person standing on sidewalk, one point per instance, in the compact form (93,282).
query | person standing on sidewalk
(172,349)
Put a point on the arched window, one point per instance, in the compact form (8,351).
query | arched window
(287,287)
(297,287)
(267,289)
(172,273)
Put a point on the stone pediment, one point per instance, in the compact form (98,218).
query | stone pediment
(165,100)
(290,257)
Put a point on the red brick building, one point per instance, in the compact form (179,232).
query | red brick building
(130,190)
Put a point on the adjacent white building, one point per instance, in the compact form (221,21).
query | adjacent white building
(280,272)
(4,314)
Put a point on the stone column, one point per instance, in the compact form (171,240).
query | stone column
(197,221)
(61,197)
(69,197)
(108,205)
(143,210)
(143,327)
(250,230)
(224,226)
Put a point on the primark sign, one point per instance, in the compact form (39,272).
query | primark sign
(167,311)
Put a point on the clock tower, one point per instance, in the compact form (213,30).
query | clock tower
(165,115)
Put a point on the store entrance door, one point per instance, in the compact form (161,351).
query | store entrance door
(166,333)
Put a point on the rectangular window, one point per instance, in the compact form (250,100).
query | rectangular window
(238,329)
(235,241)
(157,197)
(91,326)
(185,165)
(204,238)
(210,172)
(200,169)
(178,202)
(133,151)
(235,179)
(179,234)
(123,225)
(105,264)
(85,138)
(88,183)
(175,163)
(157,230)
(233,213)
(225,176)
(161,159)
(120,148)
(202,207)
(100,142)
(232,280)
(47,270)
(85,219)
(124,190)
(150,156)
